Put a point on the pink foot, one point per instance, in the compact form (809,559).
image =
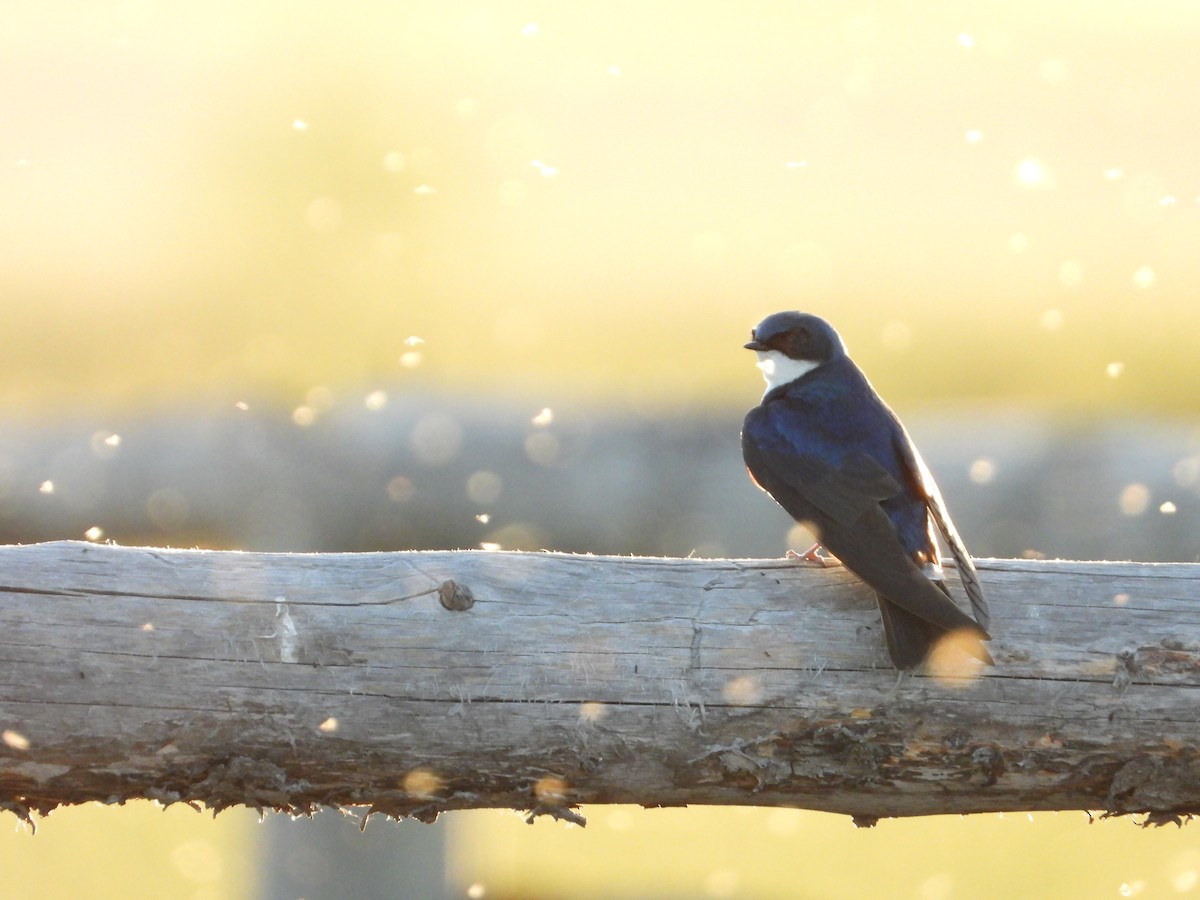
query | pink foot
(811,555)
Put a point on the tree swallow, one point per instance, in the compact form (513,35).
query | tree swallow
(830,452)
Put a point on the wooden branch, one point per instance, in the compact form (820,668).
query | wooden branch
(292,681)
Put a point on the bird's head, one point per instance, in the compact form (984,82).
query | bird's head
(792,344)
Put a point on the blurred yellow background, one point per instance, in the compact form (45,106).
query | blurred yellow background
(597,200)
(586,203)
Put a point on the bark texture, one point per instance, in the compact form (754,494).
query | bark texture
(412,683)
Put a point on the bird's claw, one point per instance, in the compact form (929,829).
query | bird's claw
(811,555)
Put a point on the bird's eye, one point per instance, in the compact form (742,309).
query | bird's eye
(797,341)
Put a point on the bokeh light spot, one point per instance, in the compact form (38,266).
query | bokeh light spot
(784,822)
(982,471)
(514,536)
(484,487)
(466,110)
(1134,499)
(543,448)
(551,789)
(1070,273)
(591,711)
(1184,870)
(936,887)
(619,820)
(1052,320)
(951,661)
(745,690)
(198,861)
(394,162)
(800,537)
(324,215)
(104,444)
(1031,173)
(1186,471)
(436,439)
(1053,71)
(422,784)
(400,489)
(167,508)
(721,883)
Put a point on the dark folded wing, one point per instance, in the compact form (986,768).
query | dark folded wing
(941,517)
(844,503)
(842,489)
(872,551)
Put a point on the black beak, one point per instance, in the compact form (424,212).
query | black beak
(756,345)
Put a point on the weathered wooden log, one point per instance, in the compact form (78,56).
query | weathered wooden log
(293,681)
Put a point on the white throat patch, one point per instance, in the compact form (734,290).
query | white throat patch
(779,369)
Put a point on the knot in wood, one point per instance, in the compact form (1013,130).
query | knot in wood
(989,761)
(454,596)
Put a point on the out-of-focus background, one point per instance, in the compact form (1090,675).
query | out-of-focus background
(446,274)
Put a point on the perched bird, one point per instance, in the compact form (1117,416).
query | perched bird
(829,451)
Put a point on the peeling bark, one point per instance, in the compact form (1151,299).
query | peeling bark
(412,683)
